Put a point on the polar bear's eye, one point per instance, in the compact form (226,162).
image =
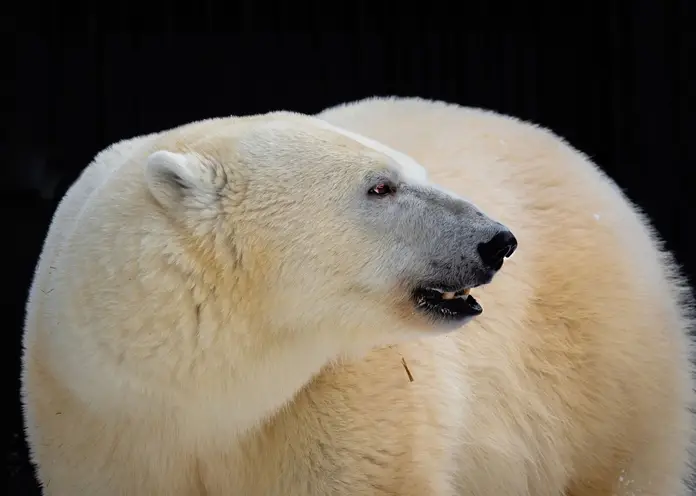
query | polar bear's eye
(382,189)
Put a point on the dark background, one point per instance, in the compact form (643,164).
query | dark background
(617,79)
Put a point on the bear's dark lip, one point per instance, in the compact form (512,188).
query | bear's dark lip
(429,301)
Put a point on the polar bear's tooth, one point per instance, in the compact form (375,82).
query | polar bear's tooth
(462,294)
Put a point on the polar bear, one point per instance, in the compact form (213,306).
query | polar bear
(337,304)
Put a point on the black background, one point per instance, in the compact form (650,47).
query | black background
(617,79)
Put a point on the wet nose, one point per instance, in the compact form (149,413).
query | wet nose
(497,249)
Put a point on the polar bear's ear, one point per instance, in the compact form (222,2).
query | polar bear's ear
(172,177)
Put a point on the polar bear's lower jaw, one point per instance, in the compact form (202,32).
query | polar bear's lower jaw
(446,306)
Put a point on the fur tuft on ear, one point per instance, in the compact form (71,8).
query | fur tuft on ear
(173,177)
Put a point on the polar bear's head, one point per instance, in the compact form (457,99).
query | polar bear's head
(306,228)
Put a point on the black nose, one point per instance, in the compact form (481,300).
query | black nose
(500,246)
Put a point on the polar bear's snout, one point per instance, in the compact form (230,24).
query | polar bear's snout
(460,245)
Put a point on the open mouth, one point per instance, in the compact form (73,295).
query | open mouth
(446,305)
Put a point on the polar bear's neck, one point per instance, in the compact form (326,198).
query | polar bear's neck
(264,380)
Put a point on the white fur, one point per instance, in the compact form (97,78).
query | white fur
(410,168)
(185,341)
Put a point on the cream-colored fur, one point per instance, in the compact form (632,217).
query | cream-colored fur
(155,365)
